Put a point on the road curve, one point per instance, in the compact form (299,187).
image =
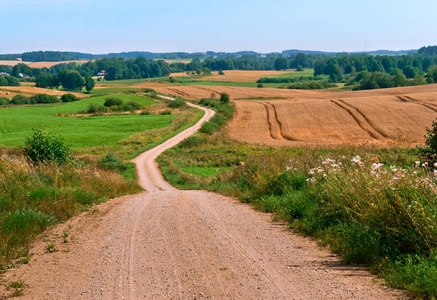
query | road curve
(172,244)
(149,176)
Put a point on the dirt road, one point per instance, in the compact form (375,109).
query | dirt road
(171,244)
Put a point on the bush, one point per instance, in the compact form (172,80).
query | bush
(429,153)
(145,113)
(130,106)
(220,72)
(20,99)
(42,146)
(165,112)
(224,98)
(69,98)
(44,99)
(191,142)
(94,108)
(113,101)
(177,103)
(260,85)
(112,162)
(4,101)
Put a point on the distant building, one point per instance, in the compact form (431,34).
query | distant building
(4,74)
(102,73)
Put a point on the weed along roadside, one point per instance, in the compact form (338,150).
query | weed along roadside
(375,207)
(167,243)
(47,181)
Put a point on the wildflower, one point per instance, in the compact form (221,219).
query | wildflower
(376,168)
(425,164)
(417,163)
(356,160)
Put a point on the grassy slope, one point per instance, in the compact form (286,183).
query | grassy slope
(80,132)
(373,218)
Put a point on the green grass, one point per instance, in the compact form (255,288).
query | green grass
(79,132)
(204,171)
(294,74)
(191,82)
(385,219)
(110,90)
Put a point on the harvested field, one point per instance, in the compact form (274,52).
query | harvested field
(242,76)
(199,92)
(380,117)
(38,65)
(30,91)
(236,75)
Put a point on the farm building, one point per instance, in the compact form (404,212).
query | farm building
(101,73)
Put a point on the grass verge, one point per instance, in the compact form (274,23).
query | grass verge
(376,207)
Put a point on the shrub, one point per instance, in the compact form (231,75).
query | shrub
(20,99)
(69,98)
(94,108)
(177,103)
(4,101)
(192,141)
(113,101)
(42,146)
(429,153)
(165,112)
(220,72)
(260,85)
(112,162)
(44,98)
(224,98)
(145,113)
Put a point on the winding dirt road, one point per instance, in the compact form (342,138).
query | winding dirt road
(172,244)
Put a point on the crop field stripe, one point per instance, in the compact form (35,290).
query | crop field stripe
(281,132)
(179,92)
(371,124)
(430,106)
(275,134)
(357,120)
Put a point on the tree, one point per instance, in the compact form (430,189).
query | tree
(281,64)
(429,152)
(333,70)
(199,71)
(71,80)
(398,77)
(224,98)
(89,83)
(432,73)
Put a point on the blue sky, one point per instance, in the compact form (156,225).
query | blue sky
(97,26)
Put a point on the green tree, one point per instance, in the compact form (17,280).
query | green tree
(429,152)
(432,74)
(281,64)
(398,77)
(71,80)
(199,71)
(224,98)
(89,83)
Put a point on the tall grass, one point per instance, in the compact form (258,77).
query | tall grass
(376,207)
(35,197)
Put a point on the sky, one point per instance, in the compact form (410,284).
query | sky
(98,27)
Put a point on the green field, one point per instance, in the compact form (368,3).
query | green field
(79,132)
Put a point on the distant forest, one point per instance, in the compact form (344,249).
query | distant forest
(338,67)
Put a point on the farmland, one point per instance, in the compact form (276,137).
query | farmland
(80,132)
(39,65)
(32,90)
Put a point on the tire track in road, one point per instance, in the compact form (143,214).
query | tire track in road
(149,176)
